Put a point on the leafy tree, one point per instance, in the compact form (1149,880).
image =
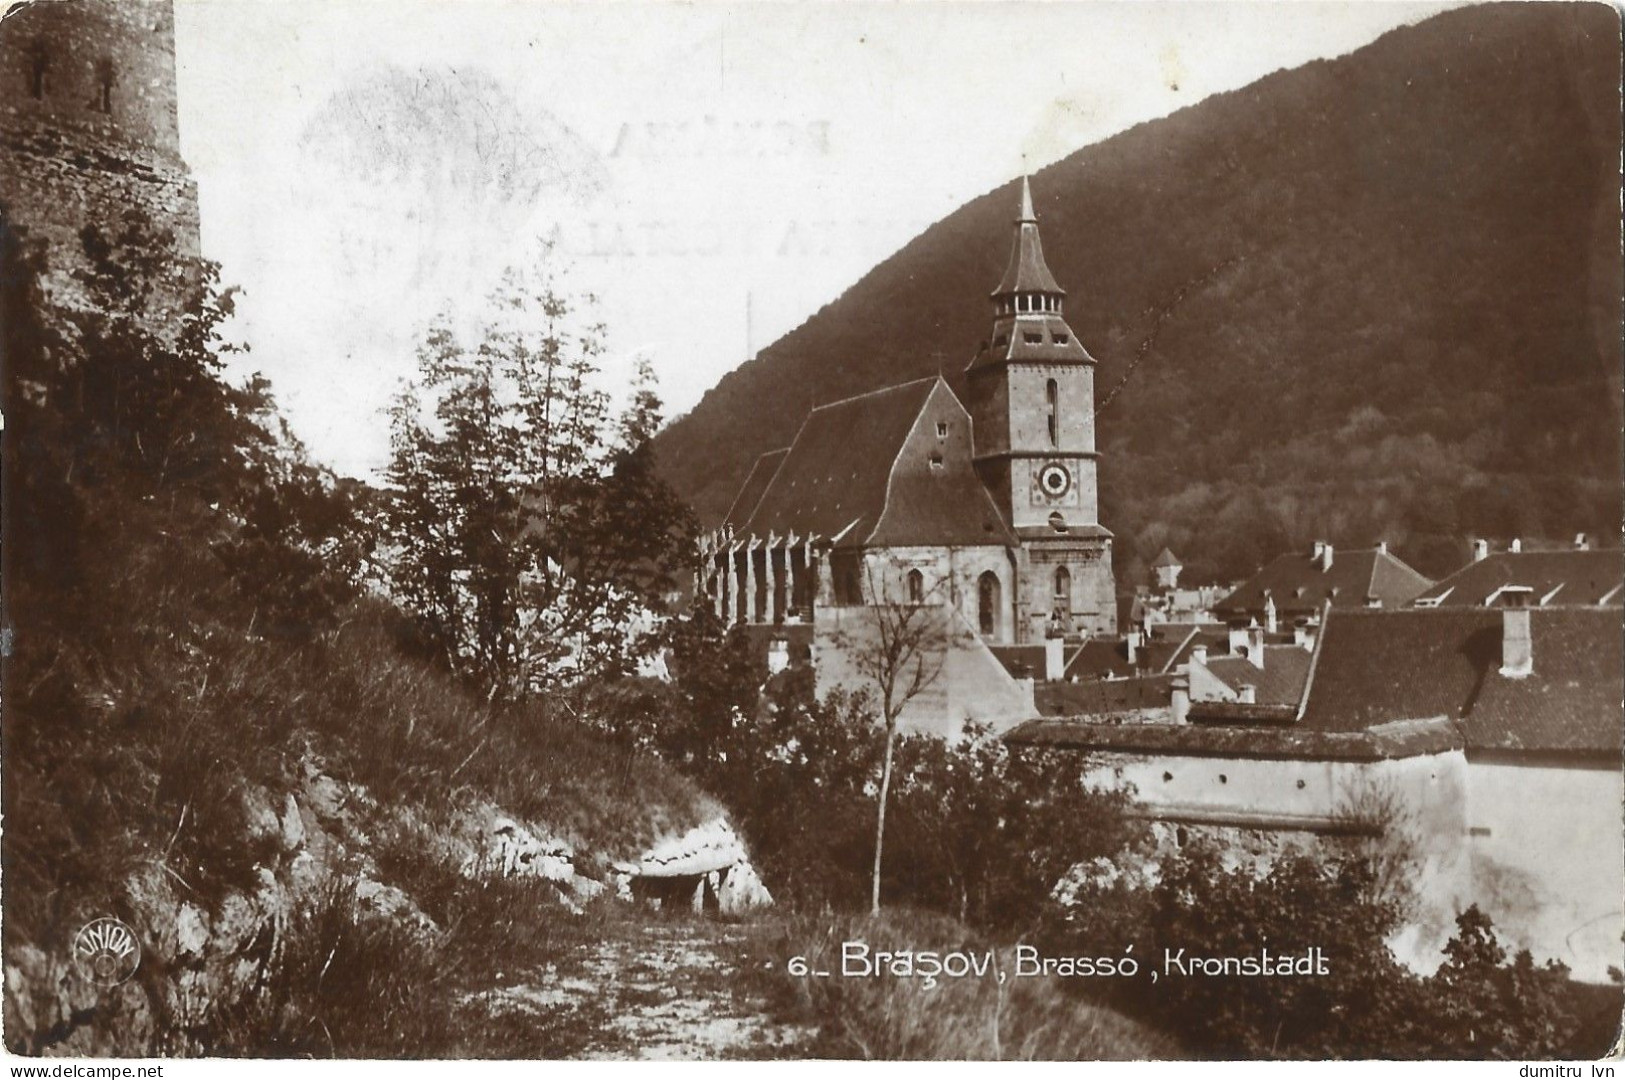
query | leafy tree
(1366,1004)
(990,832)
(974,830)
(121,401)
(528,532)
(898,648)
(160,526)
(1485,1007)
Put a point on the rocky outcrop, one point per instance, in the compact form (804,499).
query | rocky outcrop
(201,959)
(708,867)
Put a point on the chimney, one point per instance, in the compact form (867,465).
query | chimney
(1054,658)
(1247,694)
(1324,554)
(1255,646)
(1516,545)
(1581,542)
(1132,640)
(1269,612)
(1300,633)
(1517,644)
(1238,639)
(1382,547)
(1199,654)
(1180,703)
(1481,550)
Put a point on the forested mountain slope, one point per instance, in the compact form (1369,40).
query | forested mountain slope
(1372,297)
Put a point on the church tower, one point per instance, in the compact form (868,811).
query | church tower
(1032,400)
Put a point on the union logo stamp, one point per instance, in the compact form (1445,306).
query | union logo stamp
(106,951)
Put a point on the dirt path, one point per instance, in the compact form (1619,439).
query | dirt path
(667,991)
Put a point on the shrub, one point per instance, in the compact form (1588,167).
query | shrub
(1368,1005)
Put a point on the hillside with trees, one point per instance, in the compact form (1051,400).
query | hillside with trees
(1372,297)
(417,769)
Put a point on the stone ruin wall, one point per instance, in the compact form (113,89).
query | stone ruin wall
(65,160)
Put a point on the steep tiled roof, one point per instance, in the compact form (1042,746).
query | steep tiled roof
(750,493)
(1021,661)
(1414,681)
(1209,633)
(1029,336)
(1167,558)
(1241,712)
(1279,682)
(1103,697)
(1290,741)
(1099,658)
(1043,339)
(1027,271)
(1376,667)
(1297,583)
(833,481)
(1568,577)
(933,506)
(842,478)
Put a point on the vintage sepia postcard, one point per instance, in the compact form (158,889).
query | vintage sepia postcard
(881,531)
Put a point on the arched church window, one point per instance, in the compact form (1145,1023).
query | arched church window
(1063,582)
(104,81)
(1052,411)
(987,603)
(39,62)
(916,587)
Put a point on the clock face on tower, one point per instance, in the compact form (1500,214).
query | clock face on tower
(1054,480)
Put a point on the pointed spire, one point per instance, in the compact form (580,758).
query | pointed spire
(1027,271)
(1029,324)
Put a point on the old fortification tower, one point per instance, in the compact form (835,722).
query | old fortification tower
(88,126)
(1032,400)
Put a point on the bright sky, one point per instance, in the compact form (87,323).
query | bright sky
(714,173)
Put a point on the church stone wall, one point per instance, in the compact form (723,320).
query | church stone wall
(70,156)
(989,400)
(951,574)
(1094,596)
